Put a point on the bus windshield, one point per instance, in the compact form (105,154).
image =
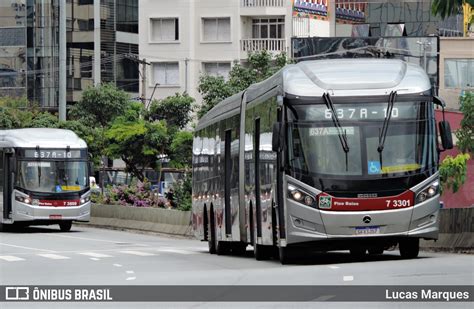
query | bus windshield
(315,148)
(52,176)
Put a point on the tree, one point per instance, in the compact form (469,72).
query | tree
(136,141)
(100,105)
(180,150)
(453,171)
(446,8)
(260,66)
(176,110)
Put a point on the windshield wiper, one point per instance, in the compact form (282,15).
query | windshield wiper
(383,134)
(340,132)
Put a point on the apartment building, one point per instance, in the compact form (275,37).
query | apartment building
(183,39)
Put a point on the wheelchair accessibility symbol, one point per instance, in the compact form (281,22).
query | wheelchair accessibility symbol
(374,167)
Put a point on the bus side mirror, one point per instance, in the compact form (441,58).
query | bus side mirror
(91,169)
(277,136)
(446,135)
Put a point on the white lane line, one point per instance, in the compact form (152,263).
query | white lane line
(117,265)
(95,254)
(95,259)
(86,238)
(334,267)
(139,253)
(131,278)
(22,247)
(178,251)
(348,278)
(10,258)
(54,256)
(324,298)
(130,272)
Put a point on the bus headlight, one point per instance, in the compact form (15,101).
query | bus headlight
(23,198)
(300,196)
(85,199)
(428,192)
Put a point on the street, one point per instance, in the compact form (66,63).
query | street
(92,256)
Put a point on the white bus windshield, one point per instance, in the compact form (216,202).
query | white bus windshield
(52,176)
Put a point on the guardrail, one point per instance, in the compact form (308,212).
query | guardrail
(262,3)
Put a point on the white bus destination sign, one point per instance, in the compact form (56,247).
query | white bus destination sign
(55,154)
(365,112)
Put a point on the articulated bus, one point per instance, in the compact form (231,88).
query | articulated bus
(324,155)
(44,178)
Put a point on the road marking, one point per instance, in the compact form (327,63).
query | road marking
(54,256)
(130,272)
(95,259)
(117,265)
(131,278)
(348,278)
(324,298)
(95,254)
(170,250)
(28,248)
(85,238)
(10,258)
(140,253)
(334,267)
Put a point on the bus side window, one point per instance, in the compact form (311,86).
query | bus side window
(1,171)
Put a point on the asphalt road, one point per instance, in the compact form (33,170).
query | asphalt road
(91,256)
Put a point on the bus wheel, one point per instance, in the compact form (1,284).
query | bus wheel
(376,251)
(358,253)
(65,226)
(286,255)
(409,248)
(239,248)
(211,238)
(223,247)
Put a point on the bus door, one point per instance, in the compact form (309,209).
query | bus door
(6,188)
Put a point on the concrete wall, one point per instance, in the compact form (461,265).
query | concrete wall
(456,225)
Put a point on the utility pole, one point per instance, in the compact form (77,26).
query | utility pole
(62,60)
(144,63)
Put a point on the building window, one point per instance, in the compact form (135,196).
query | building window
(216,29)
(166,73)
(217,69)
(263,28)
(459,73)
(164,29)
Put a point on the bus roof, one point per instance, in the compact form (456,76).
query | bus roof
(43,137)
(339,77)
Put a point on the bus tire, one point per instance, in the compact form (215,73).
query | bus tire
(3,227)
(211,238)
(286,255)
(409,248)
(238,248)
(65,226)
(223,247)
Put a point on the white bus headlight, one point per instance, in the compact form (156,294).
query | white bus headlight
(85,199)
(427,193)
(23,198)
(300,196)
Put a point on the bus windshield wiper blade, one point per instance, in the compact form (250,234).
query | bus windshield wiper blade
(340,132)
(383,133)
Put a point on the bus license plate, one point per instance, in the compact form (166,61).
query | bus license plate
(55,217)
(367,230)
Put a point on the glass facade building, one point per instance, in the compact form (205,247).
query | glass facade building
(29,48)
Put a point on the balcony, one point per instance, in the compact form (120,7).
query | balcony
(264,7)
(253,45)
(262,3)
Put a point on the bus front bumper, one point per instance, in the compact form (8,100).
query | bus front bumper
(24,212)
(305,224)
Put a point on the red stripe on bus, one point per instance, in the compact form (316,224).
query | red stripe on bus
(331,203)
(59,203)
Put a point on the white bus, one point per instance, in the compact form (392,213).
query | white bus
(324,155)
(44,178)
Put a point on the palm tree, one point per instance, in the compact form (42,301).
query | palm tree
(446,8)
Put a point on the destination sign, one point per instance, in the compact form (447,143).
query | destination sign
(359,112)
(55,154)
